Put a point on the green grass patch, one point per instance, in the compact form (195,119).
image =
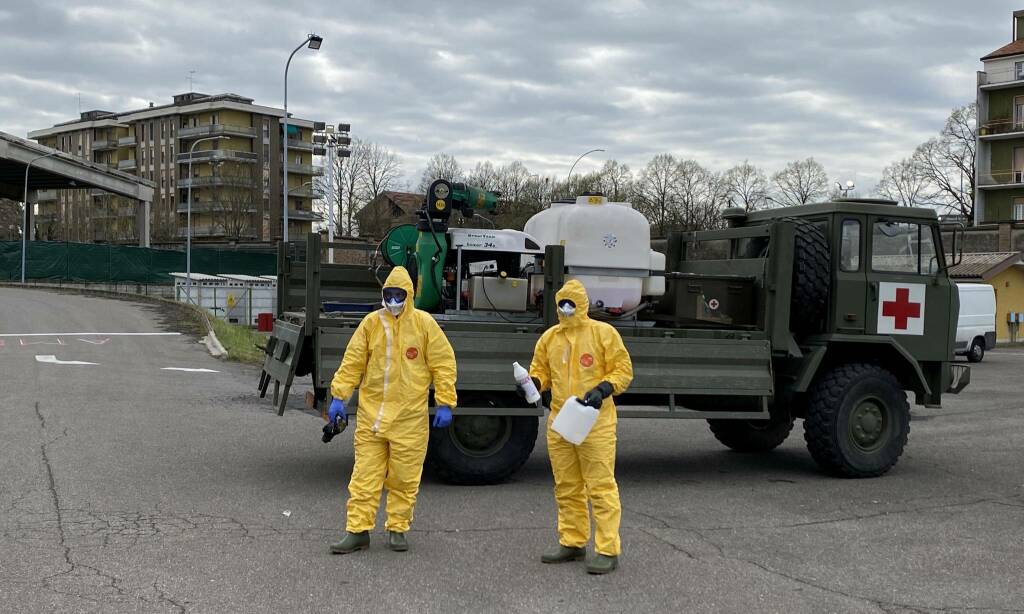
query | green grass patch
(240,342)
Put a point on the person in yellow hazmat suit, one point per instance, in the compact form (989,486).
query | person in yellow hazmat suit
(394,356)
(583,358)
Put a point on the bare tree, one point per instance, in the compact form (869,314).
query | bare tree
(802,181)
(381,170)
(947,161)
(700,195)
(484,175)
(440,166)
(903,182)
(10,219)
(616,181)
(656,189)
(746,186)
(349,181)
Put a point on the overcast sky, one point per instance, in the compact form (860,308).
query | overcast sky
(856,84)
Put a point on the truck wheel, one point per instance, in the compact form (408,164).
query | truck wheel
(858,420)
(753,435)
(481,449)
(811,274)
(977,351)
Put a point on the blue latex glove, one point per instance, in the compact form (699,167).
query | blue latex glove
(442,417)
(337,410)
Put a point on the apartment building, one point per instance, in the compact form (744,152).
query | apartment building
(999,166)
(223,148)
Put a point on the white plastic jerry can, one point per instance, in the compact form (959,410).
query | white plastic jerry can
(574,421)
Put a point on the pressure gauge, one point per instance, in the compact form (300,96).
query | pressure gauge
(441,191)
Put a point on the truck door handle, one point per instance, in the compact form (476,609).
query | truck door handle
(874,290)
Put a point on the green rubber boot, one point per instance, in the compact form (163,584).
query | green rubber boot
(602,564)
(397,541)
(563,554)
(351,543)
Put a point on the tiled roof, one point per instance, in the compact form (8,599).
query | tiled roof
(406,201)
(976,266)
(1014,48)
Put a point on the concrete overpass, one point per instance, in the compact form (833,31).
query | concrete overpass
(51,169)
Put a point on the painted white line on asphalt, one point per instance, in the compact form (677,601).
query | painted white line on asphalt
(51,359)
(187,370)
(88,334)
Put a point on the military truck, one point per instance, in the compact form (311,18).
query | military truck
(831,313)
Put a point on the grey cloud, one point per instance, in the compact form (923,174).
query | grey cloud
(853,84)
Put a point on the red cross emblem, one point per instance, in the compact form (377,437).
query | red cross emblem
(901,309)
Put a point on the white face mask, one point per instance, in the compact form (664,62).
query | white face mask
(567,310)
(395,307)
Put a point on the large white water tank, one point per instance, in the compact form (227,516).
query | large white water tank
(607,247)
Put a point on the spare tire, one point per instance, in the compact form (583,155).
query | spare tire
(812,273)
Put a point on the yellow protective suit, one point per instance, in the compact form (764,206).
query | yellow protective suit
(570,359)
(393,361)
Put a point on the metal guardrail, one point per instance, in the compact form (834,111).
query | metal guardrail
(305,169)
(207,206)
(192,132)
(207,181)
(210,155)
(1001,177)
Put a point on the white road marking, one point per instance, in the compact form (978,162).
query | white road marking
(95,341)
(51,359)
(88,334)
(187,370)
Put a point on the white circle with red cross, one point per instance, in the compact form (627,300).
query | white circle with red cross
(901,308)
(713,304)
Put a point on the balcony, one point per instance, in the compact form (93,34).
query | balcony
(127,165)
(126,141)
(218,155)
(1001,79)
(294,215)
(300,145)
(1001,179)
(304,192)
(195,132)
(1001,129)
(103,145)
(202,231)
(305,169)
(217,181)
(226,208)
(45,196)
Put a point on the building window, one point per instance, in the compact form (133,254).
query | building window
(266,130)
(1019,70)
(849,257)
(1018,209)
(903,248)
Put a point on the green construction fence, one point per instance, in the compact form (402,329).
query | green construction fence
(89,262)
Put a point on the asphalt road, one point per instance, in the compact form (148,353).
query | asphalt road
(125,487)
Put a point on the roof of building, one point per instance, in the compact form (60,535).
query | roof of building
(406,201)
(189,102)
(984,265)
(1014,48)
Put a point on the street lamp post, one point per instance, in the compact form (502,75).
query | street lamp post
(584,155)
(314,42)
(24,224)
(188,215)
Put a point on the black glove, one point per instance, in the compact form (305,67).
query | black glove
(595,397)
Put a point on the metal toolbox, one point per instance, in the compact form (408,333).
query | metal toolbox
(498,293)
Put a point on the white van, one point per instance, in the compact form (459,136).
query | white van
(976,327)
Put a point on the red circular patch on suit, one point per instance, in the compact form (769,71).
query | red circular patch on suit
(587,360)
(412,353)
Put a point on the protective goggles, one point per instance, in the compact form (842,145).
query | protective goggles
(394,295)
